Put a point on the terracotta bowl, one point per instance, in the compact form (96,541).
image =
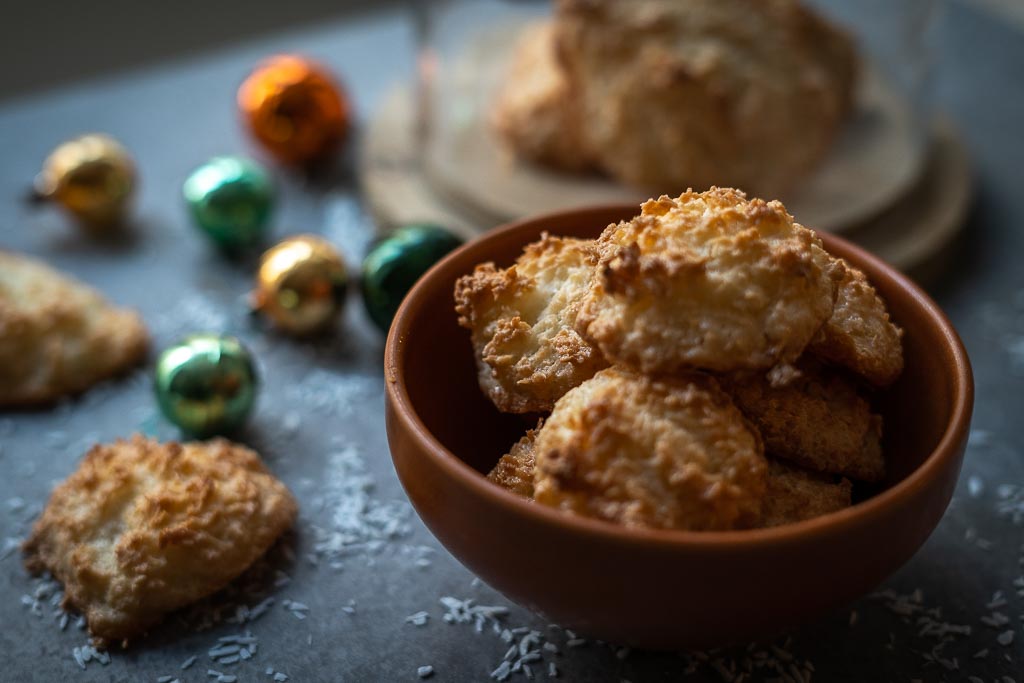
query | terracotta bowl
(662,589)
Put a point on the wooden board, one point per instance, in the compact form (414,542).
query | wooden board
(877,155)
(911,230)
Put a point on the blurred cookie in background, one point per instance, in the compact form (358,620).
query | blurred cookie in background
(59,336)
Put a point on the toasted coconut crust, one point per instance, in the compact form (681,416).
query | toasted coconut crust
(514,470)
(817,420)
(708,281)
(58,336)
(144,528)
(859,334)
(670,453)
(522,323)
(795,495)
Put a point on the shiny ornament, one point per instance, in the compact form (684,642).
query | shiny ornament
(395,264)
(92,177)
(301,284)
(230,199)
(206,384)
(295,109)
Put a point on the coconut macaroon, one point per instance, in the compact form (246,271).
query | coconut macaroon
(792,495)
(795,495)
(522,321)
(859,334)
(669,453)
(817,419)
(514,470)
(57,335)
(722,335)
(694,93)
(144,528)
(535,112)
(709,281)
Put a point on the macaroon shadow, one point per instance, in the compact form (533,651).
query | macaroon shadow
(228,611)
(65,236)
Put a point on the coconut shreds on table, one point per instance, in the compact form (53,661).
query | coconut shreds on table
(87,653)
(297,609)
(222,678)
(1011,502)
(997,600)
(245,614)
(529,647)
(975,486)
(995,620)
(359,523)
(525,645)
(418,619)
(356,524)
(234,649)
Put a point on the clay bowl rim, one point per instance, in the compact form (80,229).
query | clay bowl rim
(864,513)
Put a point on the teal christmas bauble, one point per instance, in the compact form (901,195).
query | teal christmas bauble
(395,264)
(206,384)
(230,199)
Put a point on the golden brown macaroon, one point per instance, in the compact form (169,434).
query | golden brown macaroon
(694,93)
(669,453)
(708,281)
(795,494)
(144,528)
(514,470)
(817,420)
(535,112)
(522,323)
(57,335)
(859,334)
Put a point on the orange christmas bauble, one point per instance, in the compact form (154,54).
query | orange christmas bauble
(295,108)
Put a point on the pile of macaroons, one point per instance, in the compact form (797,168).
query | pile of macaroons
(661,94)
(706,365)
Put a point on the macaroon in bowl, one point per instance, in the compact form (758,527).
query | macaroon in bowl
(660,588)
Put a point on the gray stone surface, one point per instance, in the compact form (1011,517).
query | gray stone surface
(320,412)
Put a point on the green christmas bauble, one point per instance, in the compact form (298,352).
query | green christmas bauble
(395,264)
(206,384)
(230,199)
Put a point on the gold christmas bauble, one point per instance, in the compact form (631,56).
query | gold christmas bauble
(301,284)
(92,177)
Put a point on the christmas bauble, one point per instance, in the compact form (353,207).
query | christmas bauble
(206,384)
(92,177)
(230,199)
(395,264)
(301,284)
(295,109)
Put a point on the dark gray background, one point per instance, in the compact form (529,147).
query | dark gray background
(322,398)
